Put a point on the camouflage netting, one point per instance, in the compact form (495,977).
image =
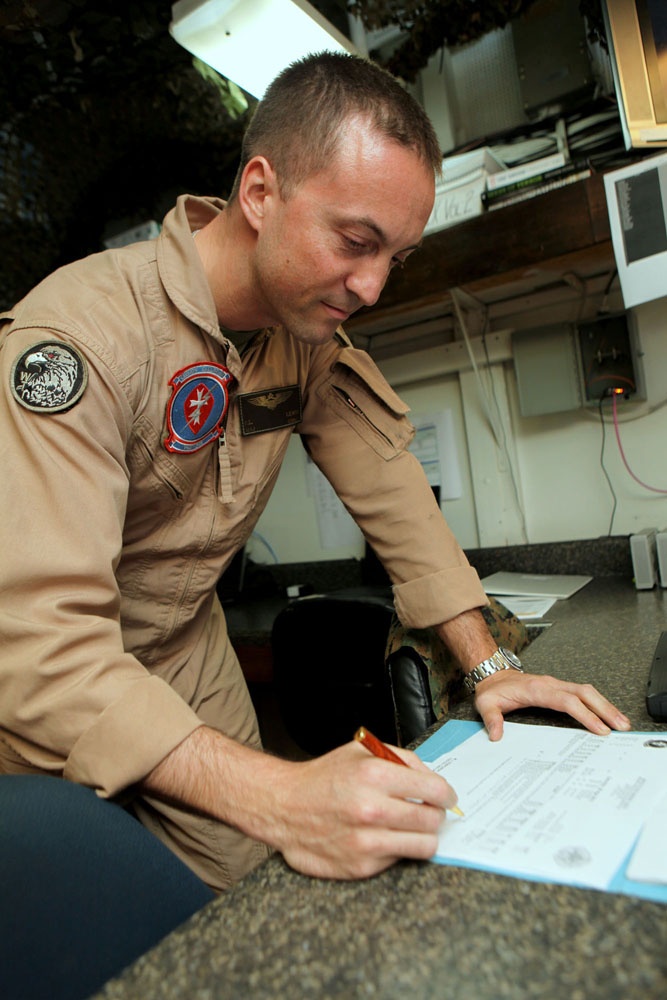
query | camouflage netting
(427,25)
(104,121)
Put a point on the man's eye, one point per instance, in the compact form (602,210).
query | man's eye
(354,245)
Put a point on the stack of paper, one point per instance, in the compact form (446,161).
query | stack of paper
(531,595)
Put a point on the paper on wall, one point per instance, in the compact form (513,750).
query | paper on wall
(336,527)
(434,445)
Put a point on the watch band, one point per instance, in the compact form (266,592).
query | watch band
(502,659)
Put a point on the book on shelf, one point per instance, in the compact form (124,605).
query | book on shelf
(464,167)
(531,187)
(525,171)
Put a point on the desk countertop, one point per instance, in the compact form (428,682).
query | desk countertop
(432,932)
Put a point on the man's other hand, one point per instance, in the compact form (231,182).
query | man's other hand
(508,690)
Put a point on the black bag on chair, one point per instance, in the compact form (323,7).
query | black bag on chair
(411,694)
(329,669)
(424,676)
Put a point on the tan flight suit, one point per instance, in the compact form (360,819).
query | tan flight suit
(113,645)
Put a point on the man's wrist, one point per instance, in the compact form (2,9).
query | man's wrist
(502,659)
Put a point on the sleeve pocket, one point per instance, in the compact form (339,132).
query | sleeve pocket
(358,393)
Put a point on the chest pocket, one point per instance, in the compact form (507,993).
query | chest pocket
(359,394)
(153,472)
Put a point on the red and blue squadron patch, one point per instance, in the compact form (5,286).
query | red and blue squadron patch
(197,407)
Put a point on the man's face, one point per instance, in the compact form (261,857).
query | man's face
(328,249)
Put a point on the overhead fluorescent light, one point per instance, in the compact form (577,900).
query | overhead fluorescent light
(251,41)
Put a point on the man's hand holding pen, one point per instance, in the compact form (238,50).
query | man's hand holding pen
(356,814)
(347,814)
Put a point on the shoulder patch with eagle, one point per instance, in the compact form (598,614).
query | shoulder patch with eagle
(49,377)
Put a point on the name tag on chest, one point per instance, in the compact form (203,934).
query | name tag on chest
(269,409)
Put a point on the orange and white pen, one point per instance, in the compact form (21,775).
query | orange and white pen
(380,749)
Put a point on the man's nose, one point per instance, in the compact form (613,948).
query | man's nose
(367,280)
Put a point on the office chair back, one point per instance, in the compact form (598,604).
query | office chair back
(329,669)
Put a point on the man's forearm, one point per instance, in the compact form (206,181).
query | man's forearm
(345,814)
(468,638)
(221,778)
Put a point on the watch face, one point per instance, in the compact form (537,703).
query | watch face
(513,659)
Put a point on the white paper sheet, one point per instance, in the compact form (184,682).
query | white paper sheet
(336,526)
(557,804)
(527,608)
(559,586)
(649,858)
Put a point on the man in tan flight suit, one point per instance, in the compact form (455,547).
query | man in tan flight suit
(147,398)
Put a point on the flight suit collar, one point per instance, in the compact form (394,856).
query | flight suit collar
(180,267)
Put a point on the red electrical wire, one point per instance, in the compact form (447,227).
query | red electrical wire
(653,489)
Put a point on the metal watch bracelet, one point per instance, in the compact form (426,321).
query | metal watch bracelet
(502,659)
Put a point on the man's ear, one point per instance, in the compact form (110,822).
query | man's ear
(257,188)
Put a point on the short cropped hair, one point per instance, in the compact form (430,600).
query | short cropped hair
(300,121)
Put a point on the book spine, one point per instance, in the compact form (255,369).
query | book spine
(522,194)
(525,171)
(543,178)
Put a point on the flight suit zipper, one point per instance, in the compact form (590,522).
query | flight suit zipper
(225,490)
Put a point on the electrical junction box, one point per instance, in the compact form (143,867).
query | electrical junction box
(547,364)
(567,366)
(611,358)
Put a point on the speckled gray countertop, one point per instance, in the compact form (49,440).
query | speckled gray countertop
(427,931)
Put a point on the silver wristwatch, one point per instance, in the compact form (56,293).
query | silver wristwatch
(502,659)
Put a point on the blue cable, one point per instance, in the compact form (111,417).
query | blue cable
(256,534)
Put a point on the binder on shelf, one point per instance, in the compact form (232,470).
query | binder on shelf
(458,195)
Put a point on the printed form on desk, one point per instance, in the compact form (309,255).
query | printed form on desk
(553,804)
(532,595)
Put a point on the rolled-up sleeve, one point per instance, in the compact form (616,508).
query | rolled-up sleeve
(130,722)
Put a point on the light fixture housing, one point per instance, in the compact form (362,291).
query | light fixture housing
(251,41)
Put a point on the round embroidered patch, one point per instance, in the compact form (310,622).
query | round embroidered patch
(197,407)
(49,377)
